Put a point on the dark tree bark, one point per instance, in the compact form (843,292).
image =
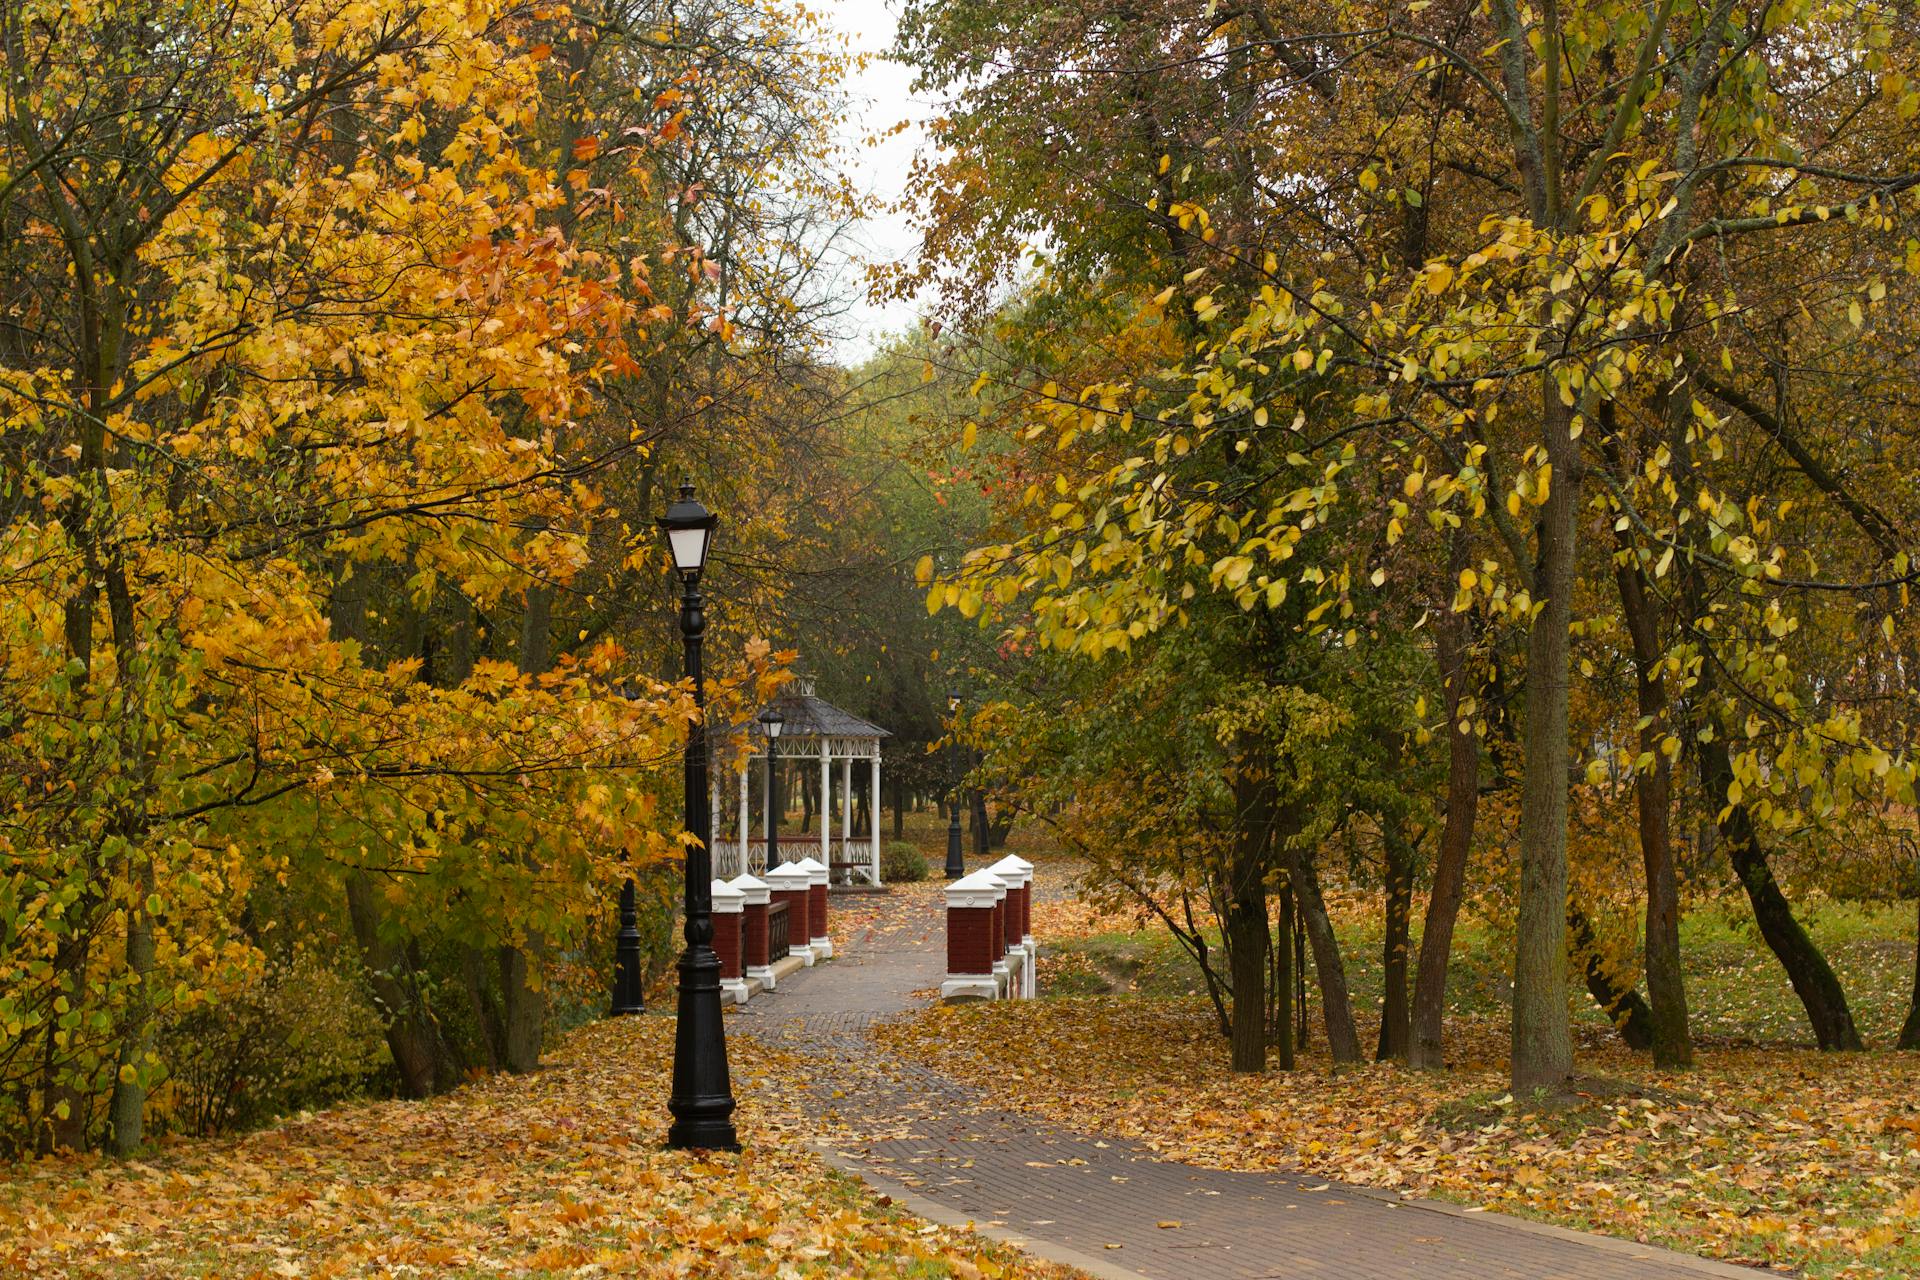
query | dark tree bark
(1813,979)
(1280,1001)
(523,997)
(1542,1034)
(1456,839)
(1653,796)
(411,1035)
(899,810)
(486,1009)
(1336,1004)
(1396,1026)
(1623,1006)
(1246,924)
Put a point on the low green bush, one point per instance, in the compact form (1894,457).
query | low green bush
(902,862)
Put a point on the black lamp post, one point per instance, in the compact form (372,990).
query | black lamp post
(956,860)
(702,1099)
(627,996)
(771,721)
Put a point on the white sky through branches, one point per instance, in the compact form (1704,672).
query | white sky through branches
(880,97)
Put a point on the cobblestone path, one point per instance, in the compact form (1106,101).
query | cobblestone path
(942,1147)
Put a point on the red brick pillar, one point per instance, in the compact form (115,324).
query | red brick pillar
(789,884)
(818,874)
(729,906)
(970,938)
(753,930)
(1018,873)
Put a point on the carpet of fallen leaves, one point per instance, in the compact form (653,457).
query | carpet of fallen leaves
(1768,1157)
(557,1173)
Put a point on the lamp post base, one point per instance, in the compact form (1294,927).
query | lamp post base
(702,1101)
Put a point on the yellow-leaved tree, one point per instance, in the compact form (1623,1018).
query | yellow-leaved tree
(293,343)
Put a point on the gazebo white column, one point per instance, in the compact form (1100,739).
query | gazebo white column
(713,815)
(826,801)
(846,809)
(873,818)
(744,826)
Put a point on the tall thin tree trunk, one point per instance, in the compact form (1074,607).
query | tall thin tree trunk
(1542,1032)
(1653,796)
(1395,1014)
(1280,1034)
(1456,840)
(523,996)
(1336,1003)
(1247,912)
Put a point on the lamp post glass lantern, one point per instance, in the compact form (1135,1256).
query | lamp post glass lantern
(956,860)
(771,721)
(702,1098)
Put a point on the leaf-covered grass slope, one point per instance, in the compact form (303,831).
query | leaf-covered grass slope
(557,1173)
(1761,1155)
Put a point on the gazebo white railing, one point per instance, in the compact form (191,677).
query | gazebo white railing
(817,732)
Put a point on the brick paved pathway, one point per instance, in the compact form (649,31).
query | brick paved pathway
(942,1147)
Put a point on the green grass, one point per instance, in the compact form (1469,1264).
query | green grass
(1737,993)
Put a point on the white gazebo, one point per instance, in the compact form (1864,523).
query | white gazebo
(814,730)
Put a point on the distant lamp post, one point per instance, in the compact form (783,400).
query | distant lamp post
(771,722)
(702,1098)
(956,860)
(627,995)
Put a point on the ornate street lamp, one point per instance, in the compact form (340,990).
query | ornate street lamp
(771,722)
(956,861)
(702,1099)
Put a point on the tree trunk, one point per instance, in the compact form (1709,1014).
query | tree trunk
(1280,1031)
(1623,1006)
(486,1009)
(1542,1033)
(1395,1015)
(523,997)
(1813,979)
(525,1004)
(899,810)
(1653,794)
(979,824)
(126,1112)
(410,1032)
(1336,1004)
(1456,841)
(1247,914)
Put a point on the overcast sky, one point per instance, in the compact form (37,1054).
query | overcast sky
(881,98)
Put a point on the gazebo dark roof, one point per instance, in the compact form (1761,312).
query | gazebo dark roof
(812,717)
(809,716)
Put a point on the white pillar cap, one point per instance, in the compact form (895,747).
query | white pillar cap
(727,900)
(1014,870)
(981,889)
(787,877)
(814,868)
(753,888)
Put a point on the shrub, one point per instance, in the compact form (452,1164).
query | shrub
(903,862)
